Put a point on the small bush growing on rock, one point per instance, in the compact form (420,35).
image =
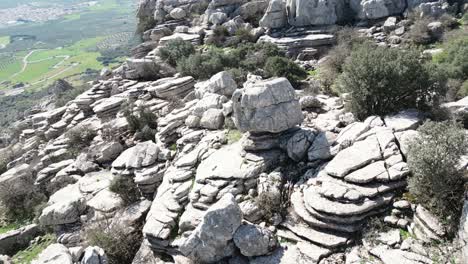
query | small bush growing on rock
(79,138)
(6,156)
(126,188)
(175,50)
(419,32)
(385,80)
(218,37)
(245,58)
(20,206)
(202,65)
(244,35)
(120,245)
(332,67)
(454,58)
(433,159)
(269,205)
(142,123)
(280,66)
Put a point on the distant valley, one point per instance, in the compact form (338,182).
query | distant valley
(45,40)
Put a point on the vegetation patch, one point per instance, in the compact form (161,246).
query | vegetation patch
(233,136)
(264,59)
(383,80)
(120,245)
(126,188)
(437,181)
(27,255)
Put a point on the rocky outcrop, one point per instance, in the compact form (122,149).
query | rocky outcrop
(12,241)
(357,183)
(266,106)
(314,12)
(94,255)
(254,240)
(54,254)
(275,15)
(212,241)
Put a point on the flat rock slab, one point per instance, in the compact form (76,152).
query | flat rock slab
(358,155)
(319,203)
(333,189)
(300,209)
(311,40)
(392,256)
(228,163)
(404,120)
(326,239)
(368,173)
(95,181)
(106,201)
(54,254)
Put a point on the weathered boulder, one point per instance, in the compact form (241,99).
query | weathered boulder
(54,254)
(375,9)
(266,106)
(314,12)
(64,206)
(298,144)
(389,256)
(141,69)
(94,255)
(178,13)
(17,180)
(141,155)
(221,83)
(172,87)
(254,240)
(12,241)
(275,15)
(212,119)
(211,241)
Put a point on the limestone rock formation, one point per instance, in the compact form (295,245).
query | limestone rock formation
(314,12)
(211,241)
(54,254)
(266,106)
(254,240)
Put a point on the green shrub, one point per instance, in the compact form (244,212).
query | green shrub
(80,138)
(419,32)
(126,188)
(202,65)
(218,37)
(454,58)
(283,67)
(332,67)
(6,156)
(65,97)
(244,35)
(32,252)
(464,19)
(143,123)
(269,205)
(120,245)
(433,159)
(241,60)
(385,80)
(175,50)
(19,205)
(463,91)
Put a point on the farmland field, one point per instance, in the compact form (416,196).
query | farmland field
(33,55)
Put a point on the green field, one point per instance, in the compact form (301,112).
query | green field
(4,40)
(46,66)
(98,36)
